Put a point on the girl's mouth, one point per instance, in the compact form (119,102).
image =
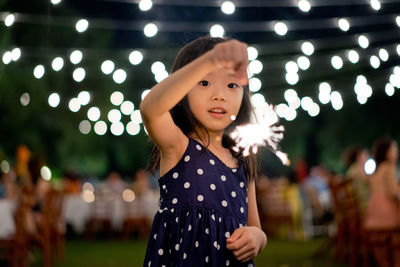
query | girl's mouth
(217,112)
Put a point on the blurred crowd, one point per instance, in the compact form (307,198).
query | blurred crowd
(348,206)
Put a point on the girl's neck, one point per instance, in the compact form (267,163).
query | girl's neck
(208,139)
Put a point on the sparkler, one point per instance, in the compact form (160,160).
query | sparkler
(261,131)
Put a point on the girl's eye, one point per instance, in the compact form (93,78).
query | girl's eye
(233,85)
(204,83)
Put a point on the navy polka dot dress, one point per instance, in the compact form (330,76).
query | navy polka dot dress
(202,202)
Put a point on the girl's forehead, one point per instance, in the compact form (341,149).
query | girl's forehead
(221,74)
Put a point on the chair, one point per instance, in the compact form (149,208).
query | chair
(100,216)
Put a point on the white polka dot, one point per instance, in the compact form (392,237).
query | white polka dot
(250,265)
(164,186)
(174,201)
(207,231)
(219,219)
(240,225)
(180,241)
(160,211)
(200,198)
(234,170)
(227,263)
(196,244)
(186,185)
(212,162)
(160,252)
(241,184)
(190,227)
(213,217)
(187,158)
(241,209)
(215,244)
(247,200)
(212,186)
(149,264)
(200,171)
(177,247)
(199,216)
(233,194)
(172,210)
(224,203)
(207,259)
(184,255)
(218,247)
(177,219)
(223,178)
(227,234)
(165,225)
(198,147)
(155,236)
(175,175)
(187,214)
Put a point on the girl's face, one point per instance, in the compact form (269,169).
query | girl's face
(216,100)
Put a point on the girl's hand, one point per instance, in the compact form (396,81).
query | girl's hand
(231,56)
(246,242)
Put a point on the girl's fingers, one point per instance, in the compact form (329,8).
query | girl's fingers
(246,256)
(236,235)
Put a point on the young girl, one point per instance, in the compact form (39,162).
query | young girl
(208,214)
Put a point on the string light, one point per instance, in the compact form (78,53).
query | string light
(100,128)
(57,64)
(117,128)
(54,100)
(9,20)
(307,48)
(84,98)
(353,56)
(127,107)
(45,172)
(375,4)
(85,127)
(389,89)
(291,66)
(79,74)
(150,30)
(255,66)
(337,62)
(107,67)
(114,115)
(292,78)
(136,117)
(74,105)
(76,57)
(132,128)
(228,7)
(304,5)
(82,25)
(336,100)
(383,54)
(38,71)
(398,21)
(303,62)
(15,54)
(280,28)
(117,98)
(254,85)
(25,99)
(7,57)
(55,2)
(145,5)
(93,113)
(252,53)
(217,31)
(119,76)
(374,61)
(135,57)
(363,41)
(344,24)
(324,93)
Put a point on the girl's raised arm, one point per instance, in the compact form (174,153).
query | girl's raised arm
(155,107)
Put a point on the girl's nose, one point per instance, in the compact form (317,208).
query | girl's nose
(219,95)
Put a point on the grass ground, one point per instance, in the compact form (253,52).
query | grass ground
(102,253)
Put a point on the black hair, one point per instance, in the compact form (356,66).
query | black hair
(380,149)
(187,122)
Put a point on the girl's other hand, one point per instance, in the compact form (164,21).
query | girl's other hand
(246,242)
(231,56)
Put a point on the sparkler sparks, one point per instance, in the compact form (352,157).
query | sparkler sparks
(262,131)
